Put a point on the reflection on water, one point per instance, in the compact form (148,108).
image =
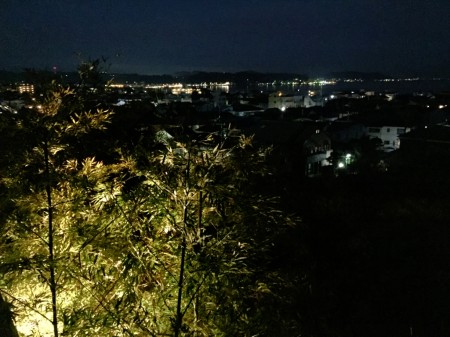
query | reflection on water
(398,86)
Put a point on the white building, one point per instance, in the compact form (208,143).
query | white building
(280,101)
(309,102)
(389,135)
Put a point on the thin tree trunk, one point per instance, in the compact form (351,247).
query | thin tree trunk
(179,316)
(52,284)
(199,237)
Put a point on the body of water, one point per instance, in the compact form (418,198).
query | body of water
(397,86)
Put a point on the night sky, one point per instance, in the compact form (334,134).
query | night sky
(313,37)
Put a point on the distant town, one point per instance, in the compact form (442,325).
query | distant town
(316,126)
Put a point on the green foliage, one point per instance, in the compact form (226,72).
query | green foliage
(152,243)
(186,196)
(34,241)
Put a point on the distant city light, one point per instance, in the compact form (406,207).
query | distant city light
(22,88)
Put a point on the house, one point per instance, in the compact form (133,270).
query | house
(300,147)
(345,131)
(317,150)
(389,135)
(281,101)
(313,101)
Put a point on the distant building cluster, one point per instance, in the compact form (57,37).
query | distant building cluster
(310,132)
(25,88)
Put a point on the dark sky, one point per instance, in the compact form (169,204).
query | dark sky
(397,37)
